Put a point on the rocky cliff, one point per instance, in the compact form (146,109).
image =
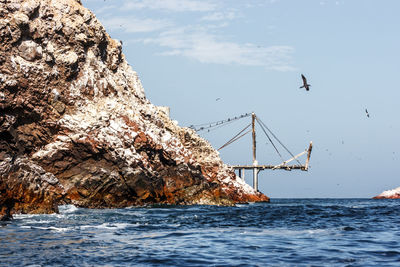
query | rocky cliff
(389,194)
(76,127)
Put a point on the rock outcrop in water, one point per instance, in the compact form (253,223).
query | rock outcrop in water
(76,127)
(389,194)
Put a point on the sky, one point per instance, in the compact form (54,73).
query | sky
(213,60)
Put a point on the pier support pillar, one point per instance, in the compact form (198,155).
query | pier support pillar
(243,174)
(240,173)
(255,179)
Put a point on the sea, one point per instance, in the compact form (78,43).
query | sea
(285,232)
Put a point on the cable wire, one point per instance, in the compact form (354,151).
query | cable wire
(235,138)
(203,127)
(276,149)
(259,120)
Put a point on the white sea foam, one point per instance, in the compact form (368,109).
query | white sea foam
(36,216)
(67,209)
(25,216)
(51,228)
(37,221)
(108,226)
(286,232)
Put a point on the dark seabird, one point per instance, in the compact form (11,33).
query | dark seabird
(366,111)
(305,84)
(218,99)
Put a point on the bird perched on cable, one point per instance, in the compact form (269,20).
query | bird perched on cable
(366,111)
(305,84)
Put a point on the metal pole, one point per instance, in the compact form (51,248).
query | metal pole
(308,156)
(255,179)
(253,120)
(255,163)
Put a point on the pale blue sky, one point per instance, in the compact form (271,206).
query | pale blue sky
(250,54)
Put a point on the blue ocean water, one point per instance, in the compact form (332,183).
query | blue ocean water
(285,232)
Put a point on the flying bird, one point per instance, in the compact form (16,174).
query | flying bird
(366,111)
(218,99)
(305,84)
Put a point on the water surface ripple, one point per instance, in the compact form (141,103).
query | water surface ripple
(285,232)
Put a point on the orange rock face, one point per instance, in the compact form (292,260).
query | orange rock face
(76,127)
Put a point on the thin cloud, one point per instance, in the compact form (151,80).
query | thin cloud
(170,5)
(208,48)
(204,41)
(218,16)
(133,25)
(105,9)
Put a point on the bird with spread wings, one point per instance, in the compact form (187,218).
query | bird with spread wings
(366,111)
(305,84)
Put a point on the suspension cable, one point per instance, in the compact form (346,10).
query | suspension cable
(220,123)
(259,120)
(236,137)
(276,149)
(211,126)
(249,131)
(215,127)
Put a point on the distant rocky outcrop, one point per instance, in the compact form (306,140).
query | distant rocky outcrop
(389,194)
(76,127)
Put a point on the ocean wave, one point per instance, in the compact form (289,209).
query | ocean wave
(51,228)
(306,232)
(110,226)
(65,209)
(287,232)
(36,216)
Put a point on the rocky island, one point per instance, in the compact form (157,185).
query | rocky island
(76,127)
(389,194)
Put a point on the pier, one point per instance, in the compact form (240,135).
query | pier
(255,166)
